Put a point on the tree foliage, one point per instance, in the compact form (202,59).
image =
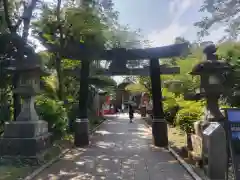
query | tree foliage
(80,24)
(58,25)
(222,13)
(229,51)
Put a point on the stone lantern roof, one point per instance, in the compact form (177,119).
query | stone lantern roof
(29,69)
(210,49)
(211,67)
(25,58)
(174,82)
(30,63)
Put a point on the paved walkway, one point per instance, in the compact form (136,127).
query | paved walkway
(119,150)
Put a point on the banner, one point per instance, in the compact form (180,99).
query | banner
(233,137)
(108,100)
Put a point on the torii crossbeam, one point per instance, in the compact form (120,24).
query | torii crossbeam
(83,53)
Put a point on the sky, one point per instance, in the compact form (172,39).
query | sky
(161,21)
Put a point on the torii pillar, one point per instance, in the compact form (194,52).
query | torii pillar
(159,124)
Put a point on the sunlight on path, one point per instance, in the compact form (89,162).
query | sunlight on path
(119,150)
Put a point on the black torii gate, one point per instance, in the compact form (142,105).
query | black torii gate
(119,57)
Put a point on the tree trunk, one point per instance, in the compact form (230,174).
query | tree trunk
(59,56)
(27,15)
(59,75)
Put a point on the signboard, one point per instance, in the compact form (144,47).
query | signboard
(233,117)
(214,147)
(211,128)
(234,127)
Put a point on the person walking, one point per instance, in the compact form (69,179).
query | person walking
(130,112)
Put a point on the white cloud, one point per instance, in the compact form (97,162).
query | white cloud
(167,36)
(215,35)
(178,7)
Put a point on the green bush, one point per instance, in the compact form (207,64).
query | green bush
(180,112)
(170,106)
(189,113)
(170,114)
(54,113)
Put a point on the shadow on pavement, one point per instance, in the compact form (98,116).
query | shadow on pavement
(118,150)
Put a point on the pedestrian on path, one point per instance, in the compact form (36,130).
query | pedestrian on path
(131,112)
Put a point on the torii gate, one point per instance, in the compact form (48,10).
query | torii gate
(119,57)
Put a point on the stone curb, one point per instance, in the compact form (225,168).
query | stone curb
(96,128)
(43,167)
(181,161)
(185,165)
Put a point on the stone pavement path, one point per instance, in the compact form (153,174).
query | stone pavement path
(119,150)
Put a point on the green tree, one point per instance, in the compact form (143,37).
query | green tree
(78,24)
(181,40)
(229,51)
(220,12)
(70,24)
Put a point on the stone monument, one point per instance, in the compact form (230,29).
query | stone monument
(27,136)
(213,139)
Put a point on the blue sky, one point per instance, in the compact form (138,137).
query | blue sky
(161,21)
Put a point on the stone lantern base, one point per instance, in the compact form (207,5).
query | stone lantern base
(24,139)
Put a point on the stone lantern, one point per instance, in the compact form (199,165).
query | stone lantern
(27,136)
(211,72)
(173,85)
(211,144)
